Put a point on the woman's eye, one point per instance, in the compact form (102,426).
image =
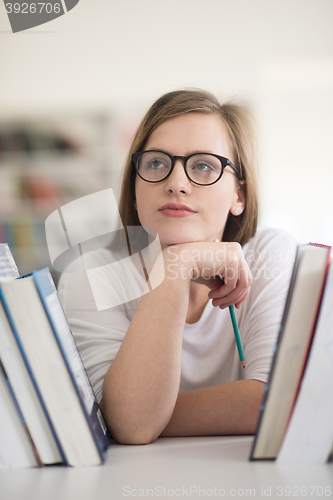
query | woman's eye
(156,164)
(203,167)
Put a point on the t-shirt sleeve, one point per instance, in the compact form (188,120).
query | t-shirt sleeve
(270,257)
(98,333)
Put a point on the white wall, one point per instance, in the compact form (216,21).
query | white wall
(120,55)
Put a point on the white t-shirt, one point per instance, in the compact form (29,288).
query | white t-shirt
(209,351)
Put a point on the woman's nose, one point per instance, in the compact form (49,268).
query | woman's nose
(178,182)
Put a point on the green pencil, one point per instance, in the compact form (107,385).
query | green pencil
(236,331)
(237,336)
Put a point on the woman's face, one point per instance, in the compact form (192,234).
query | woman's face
(208,206)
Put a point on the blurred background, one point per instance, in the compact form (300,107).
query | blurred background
(72,92)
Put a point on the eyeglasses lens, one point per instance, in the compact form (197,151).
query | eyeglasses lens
(203,169)
(154,166)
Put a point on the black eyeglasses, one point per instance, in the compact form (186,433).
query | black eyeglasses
(203,169)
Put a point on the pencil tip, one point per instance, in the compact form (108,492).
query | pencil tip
(243,364)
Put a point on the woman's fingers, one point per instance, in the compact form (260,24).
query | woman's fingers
(232,299)
(219,266)
(238,304)
(236,287)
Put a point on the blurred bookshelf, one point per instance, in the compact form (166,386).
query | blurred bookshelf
(45,163)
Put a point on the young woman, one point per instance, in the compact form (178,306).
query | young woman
(167,364)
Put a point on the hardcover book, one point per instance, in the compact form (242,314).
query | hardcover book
(294,341)
(46,343)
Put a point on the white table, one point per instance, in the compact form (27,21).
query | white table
(202,467)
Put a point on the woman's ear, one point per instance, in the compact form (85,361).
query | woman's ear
(240,201)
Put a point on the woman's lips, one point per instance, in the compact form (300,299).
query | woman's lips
(169,212)
(176,210)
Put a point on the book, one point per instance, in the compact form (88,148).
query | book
(46,342)
(292,348)
(26,393)
(16,449)
(8,267)
(22,389)
(309,436)
(49,296)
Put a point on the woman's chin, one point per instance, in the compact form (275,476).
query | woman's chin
(180,240)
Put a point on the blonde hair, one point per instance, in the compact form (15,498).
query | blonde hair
(240,127)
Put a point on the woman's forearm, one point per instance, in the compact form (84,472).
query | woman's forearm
(141,386)
(231,408)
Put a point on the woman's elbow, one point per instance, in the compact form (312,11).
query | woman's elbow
(138,436)
(128,432)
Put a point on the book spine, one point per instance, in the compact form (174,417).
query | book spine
(274,361)
(27,364)
(72,358)
(312,334)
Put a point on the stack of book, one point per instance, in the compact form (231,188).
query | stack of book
(48,411)
(296,420)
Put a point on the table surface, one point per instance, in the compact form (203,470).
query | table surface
(193,467)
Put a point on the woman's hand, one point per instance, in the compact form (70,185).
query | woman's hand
(220,266)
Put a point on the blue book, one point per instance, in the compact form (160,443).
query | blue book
(25,394)
(58,320)
(45,338)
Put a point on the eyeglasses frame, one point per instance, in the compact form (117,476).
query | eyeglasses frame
(225,162)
